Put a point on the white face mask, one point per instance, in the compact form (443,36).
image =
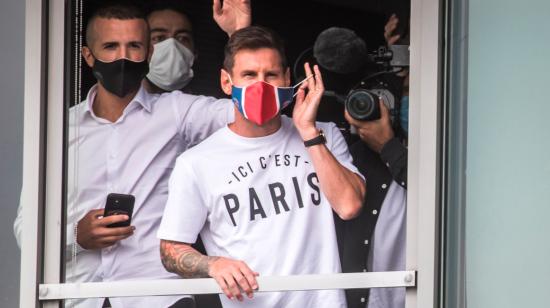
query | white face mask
(170,66)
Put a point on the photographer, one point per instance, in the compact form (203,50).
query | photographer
(375,240)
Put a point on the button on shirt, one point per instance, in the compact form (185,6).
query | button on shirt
(388,247)
(134,155)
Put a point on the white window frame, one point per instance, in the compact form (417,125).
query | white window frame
(43,172)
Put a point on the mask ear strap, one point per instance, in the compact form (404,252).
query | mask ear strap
(229,76)
(305,79)
(299,83)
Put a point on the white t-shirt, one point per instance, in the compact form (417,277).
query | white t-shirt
(259,200)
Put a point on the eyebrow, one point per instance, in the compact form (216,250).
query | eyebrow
(248,72)
(159,30)
(110,43)
(135,42)
(184,31)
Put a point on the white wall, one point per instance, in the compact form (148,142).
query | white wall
(508,154)
(12,32)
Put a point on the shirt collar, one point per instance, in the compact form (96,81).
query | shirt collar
(143,98)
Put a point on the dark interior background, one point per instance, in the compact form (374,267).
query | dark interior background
(298,22)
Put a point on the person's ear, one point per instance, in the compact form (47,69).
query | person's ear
(87,55)
(225,82)
(287,77)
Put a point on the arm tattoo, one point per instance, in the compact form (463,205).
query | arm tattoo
(184,260)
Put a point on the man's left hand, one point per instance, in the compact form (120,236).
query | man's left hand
(374,133)
(233,15)
(305,109)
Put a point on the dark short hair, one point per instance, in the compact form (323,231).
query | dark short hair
(121,11)
(253,37)
(171,5)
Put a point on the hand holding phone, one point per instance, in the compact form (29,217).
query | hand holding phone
(101,228)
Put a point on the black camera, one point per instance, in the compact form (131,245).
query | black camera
(363,100)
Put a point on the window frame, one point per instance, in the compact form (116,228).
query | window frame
(42,193)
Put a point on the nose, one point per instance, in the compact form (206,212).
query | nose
(123,52)
(262,77)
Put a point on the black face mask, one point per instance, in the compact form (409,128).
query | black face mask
(120,77)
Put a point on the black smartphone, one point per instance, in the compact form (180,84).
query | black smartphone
(119,204)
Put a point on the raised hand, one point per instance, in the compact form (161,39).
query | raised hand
(93,233)
(390,26)
(305,109)
(232,15)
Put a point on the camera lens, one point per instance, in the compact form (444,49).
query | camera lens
(363,105)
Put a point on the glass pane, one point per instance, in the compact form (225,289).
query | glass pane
(507,190)
(132,150)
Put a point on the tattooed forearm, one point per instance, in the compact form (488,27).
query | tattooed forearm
(184,260)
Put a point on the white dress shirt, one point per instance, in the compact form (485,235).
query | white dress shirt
(134,155)
(388,247)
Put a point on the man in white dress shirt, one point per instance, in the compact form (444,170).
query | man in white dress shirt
(123,139)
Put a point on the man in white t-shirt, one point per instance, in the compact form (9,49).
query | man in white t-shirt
(261,191)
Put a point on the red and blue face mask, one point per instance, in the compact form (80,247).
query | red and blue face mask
(260,101)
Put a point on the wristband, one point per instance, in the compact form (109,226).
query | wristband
(320,139)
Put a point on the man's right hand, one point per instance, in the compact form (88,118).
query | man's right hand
(233,276)
(375,133)
(232,15)
(93,233)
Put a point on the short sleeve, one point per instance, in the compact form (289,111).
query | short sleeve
(185,212)
(338,147)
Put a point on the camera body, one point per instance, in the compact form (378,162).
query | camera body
(363,100)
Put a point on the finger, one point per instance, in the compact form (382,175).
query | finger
(217,7)
(250,278)
(243,284)
(223,285)
(319,85)
(105,221)
(232,286)
(393,39)
(384,111)
(390,27)
(351,120)
(300,95)
(310,82)
(116,238)
(96,213)
(120,231)
(111,240)
(391,21)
